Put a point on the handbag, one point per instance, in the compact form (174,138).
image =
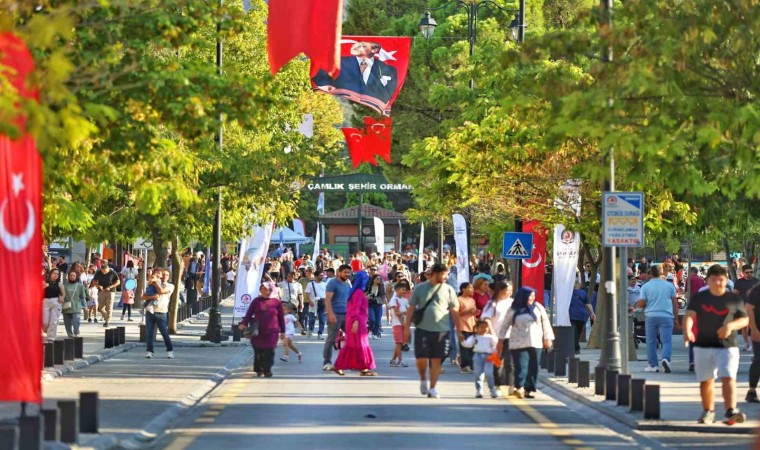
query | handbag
(252,330)
(66,305)
(420,313)
(340,339)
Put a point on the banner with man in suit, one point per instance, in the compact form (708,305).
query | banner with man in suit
(372,71)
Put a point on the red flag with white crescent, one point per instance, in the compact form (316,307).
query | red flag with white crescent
(533,269)
(379,134)
(20,244)
(356,141)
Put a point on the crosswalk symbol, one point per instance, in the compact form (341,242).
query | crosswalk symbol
(517,249)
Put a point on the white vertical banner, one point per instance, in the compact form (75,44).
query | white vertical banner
(460,239)
(315,253)
(321,203)
(379,236)
(300,228)
(253,254)
(422,247)
(400,238)
(566,248)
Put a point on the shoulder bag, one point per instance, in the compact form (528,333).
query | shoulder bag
(420,313)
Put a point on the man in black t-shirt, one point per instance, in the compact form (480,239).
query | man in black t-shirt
(753,310)
(107,281)
(719,313)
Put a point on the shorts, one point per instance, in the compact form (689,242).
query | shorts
(289,336)
(398,334)
(430,344)
(710,362)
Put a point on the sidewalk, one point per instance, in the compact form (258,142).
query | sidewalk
(679,394)
(140,397)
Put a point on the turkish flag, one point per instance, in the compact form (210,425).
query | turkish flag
(379,135)
(357,146)
(533,269)
(312,27)
(20,245)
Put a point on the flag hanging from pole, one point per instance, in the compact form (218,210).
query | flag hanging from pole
(460,239)
(373,140)
(321,203)
(20,241)
(420,268)
(313,27)
(533,269)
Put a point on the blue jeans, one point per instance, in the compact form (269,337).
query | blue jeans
(157,320)
(375,318)
(662,326)
(453,341)
(482,368)
(525,361)
(308,318)
(322,315)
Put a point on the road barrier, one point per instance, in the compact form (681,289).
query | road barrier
(610,385)
(58,352)
(8,435)
(52,426)
(89,412)
(69,420)
(572,370)
(652,401)
(49,360)
(623,389)
(636,399)
(31,432)
(68,349)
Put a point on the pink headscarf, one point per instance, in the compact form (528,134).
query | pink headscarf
(272,288)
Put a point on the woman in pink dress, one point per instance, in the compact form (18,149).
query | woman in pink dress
(357,354)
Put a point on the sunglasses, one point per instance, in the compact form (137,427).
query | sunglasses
(747,272)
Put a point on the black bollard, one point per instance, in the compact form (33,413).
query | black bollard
(58,351)
(67,409)
(31,435)
(68,349)
(89,407)
(52,427)
(110,338)
(636,401)
(235,333)
(8,435)
(560,367)
(542,361)
(549,361)
(572,370)
(610,385)
(652,401)
(49,355)
(121,333)
(623,389)
(600,380)
(584,374)
(143,336)
(78,347)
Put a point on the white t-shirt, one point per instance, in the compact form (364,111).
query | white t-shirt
(316,290)
(129,274)
(402,304)
(497,311)
(485,343)
(231,275)
(290,325)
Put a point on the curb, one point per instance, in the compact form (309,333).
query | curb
(51,374)
(627,419)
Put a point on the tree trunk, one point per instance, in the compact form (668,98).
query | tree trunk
(177,268)
(731,268)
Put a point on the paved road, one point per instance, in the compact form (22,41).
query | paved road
(303,407)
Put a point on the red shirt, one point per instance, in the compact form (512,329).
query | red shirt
(356,265)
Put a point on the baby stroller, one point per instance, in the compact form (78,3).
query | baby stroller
(640,329)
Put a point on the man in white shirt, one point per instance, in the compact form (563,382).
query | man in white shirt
(292,292)
(315,295)
(159,317)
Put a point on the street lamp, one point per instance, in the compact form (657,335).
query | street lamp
(472,8)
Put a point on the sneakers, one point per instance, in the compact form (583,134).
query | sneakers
(691,367)
(300,357)
(511,390)
(96,320)
(651,369)
(303,333)
(465,370)
(122,317)
(105,325)
(494,393)
(149,355)
(529,394)
(90,320)
(707,417)
(400,363)
(130,320)
(308,335)
(424,388)
(170,355)
(519,392)
(327,367)
(666,365)
(284,358)
(374,337)
(432,393)
(751,397)
(479,394)
(734,416)
(394,363)
(320,338)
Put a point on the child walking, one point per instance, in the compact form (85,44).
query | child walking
(397,307)
(92,303)
(291,323)
(483,344)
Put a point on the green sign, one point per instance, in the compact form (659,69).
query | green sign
(359,182)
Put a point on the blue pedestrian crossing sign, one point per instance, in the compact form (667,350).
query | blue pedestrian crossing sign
(517,245)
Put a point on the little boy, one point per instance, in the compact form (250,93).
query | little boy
(291,323)
(483,345)
(398,306)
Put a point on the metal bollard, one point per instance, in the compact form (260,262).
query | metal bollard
(584,374)
(542,361)
(623,389)
(31,432)
(636,402)
(49,355)
(78,347)
(68,349)
(236,334)
(110,338)
(8,436)
(560,367)
(652,401)
(58,351)
(611,385)
(52,427)
(143,335)
(549,361)
(572,370)
(89,412)
(69,421)
(600,380)
(121,335)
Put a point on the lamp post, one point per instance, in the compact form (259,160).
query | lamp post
(427,27)
(214,327)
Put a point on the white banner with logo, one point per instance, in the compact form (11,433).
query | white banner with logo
(420,267)
(460,239)
(566,248)
(315,253)
(253,254)
(379,236)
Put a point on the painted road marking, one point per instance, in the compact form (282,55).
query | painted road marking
(546,423)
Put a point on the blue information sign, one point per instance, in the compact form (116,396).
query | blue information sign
(517,245)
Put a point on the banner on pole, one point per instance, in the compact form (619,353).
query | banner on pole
(253,253)
(534,268)
(422,246)
(379,237)
(460,239)
(566,248)
(315,253)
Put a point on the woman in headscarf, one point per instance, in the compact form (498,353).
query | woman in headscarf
(266,310)
(528,328)
(357,354)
